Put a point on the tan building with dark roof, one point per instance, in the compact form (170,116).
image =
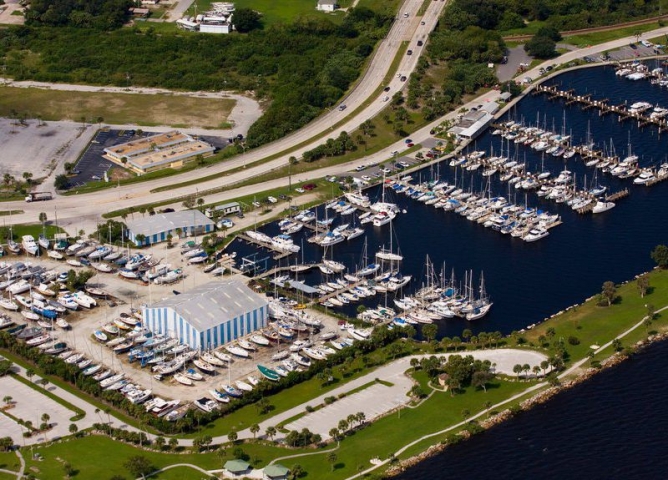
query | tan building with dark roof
(166,150)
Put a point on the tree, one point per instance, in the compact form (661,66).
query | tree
(270,432)
(139,239)
(643,284)
(73,429)
(68,469)
(651,311)
(541,47)
(7,399)
(296,471)
(544,365)
(429,331)
(246,19)
(466,334)
(200,202)
(232,436)
(480,379)
(254,429)
(28,177)
(30,373)
(609,292)
(660,256)
(343,425)
(45,418)
(332,458)
(335,434)
(517,368)
(42,218)
(160,442)
(139,466)
(61,182)
(173,443)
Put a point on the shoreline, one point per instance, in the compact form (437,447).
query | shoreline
(539,398)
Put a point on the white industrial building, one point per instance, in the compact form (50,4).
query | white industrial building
(210,315)
(327,5)
(475,121)
(156,228)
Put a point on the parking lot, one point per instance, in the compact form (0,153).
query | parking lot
(92,166)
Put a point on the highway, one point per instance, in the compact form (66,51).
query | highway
(75,211)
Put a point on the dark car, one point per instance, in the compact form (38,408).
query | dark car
(403,78)
(386,89)
(240,214)
(420,43)
(168,210)
(398,166)
(309,186)
(410,52)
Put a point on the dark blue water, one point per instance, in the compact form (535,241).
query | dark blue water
(610,427)
(530,281)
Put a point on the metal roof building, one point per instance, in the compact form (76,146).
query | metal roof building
(210,315)
(156,228)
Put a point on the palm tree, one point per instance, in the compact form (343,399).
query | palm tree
(254,429)
(332,458)
(232,436)
(7,399)
(73,429)
(30,373)
(173,443)
(270,432)
(517,368)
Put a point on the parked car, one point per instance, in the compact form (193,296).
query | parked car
(309,186)
(386,89)
(366,178)
(342,107)
(272,199)
(403,78)
(410,52)
(359,168)
(386,98)
(257,204)
(420,43)
(299,190)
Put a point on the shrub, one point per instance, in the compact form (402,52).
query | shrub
(572,340)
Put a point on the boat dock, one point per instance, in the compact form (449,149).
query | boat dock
(601,105)
(275,270)
(278,253)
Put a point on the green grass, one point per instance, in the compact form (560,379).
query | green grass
(602,37)
(9,461)
(115,108)
(35,230)
(5,213)
(273,12)
(79,413)
(98,456)
(393,431)
(594,325)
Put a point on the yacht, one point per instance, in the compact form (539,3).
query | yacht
(646,176)
(29,245)
(284,243)
(536,234)
(602,206)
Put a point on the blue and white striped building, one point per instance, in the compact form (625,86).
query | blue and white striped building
(210,315)
(156,228)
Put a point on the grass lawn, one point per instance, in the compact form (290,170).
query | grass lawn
(35,230)
(392,432)
(98,456)
(594,325)
(9,461)
(602,37)
(272,12)
(116,108)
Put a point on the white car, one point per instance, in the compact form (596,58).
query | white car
(386,99)
(272,199)
(359,168)
(366,178)
(299,190)
(257,204)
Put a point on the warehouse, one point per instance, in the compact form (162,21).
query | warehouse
(166,150)
(209,315)
(156,228)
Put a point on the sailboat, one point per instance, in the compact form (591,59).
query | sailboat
(482,305)
(389,255)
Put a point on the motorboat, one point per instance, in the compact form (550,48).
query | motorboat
(219,396)
(29,245)
(231,391)
(206,404)
(100,336)
(536,234)
(602,206)
(56,255)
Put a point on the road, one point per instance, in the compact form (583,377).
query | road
(404,29)
(71,210)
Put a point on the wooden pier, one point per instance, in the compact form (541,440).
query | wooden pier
(586,102)
(278,254)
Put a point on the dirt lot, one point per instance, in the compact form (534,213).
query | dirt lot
(130,294)
(33,148)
